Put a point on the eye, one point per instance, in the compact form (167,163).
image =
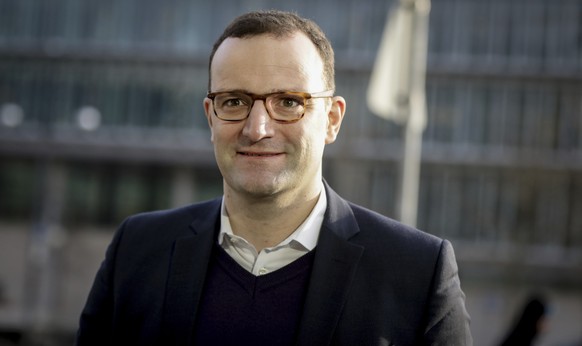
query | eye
(231,101)
(289,101)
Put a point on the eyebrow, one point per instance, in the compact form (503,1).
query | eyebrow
(250,92)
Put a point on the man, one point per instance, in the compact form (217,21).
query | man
(280,259)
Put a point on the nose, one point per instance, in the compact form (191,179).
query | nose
(258,125)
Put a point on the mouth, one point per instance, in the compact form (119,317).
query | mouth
(257,154)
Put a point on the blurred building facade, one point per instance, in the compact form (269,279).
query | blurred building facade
(101,117)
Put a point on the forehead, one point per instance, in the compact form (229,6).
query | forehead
(265,63)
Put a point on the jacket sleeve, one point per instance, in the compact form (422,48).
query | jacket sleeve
(96,321)
(447,317)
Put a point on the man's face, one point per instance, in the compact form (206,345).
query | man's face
(258,156)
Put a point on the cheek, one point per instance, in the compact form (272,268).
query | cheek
(312,142)
(318,132)
(222,145)
(222,135)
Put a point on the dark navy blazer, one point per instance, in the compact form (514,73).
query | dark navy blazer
(374,282)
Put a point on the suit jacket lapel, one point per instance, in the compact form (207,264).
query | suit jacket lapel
(336,261)
(334,267)
(187,271)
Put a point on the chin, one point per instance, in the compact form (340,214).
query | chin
(259,186)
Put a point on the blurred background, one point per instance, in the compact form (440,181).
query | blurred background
(101,117)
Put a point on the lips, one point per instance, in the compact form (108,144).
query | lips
(257,154)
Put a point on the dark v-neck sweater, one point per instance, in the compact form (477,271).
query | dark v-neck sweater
(239,308)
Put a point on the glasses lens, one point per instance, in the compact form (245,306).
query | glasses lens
(232,106)
(286,106)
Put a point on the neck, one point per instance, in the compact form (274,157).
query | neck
(267,221)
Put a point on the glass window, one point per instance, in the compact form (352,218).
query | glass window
(17,188)
(107,193)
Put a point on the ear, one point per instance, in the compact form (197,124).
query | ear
(334,118)
(207,104)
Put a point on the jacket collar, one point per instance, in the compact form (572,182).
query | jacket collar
(334,268)
(190,259)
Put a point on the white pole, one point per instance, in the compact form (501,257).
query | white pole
(397,92)
(416,122)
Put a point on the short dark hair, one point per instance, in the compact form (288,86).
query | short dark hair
(279,24)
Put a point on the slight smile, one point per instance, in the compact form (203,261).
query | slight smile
(257,154)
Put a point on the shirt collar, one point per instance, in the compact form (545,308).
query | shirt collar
(306,234)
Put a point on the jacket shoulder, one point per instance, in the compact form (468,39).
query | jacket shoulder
(163,227)
(172,218)
(385,230)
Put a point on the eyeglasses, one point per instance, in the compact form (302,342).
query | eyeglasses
(283,107)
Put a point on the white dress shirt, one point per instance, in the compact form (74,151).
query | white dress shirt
(300,242)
